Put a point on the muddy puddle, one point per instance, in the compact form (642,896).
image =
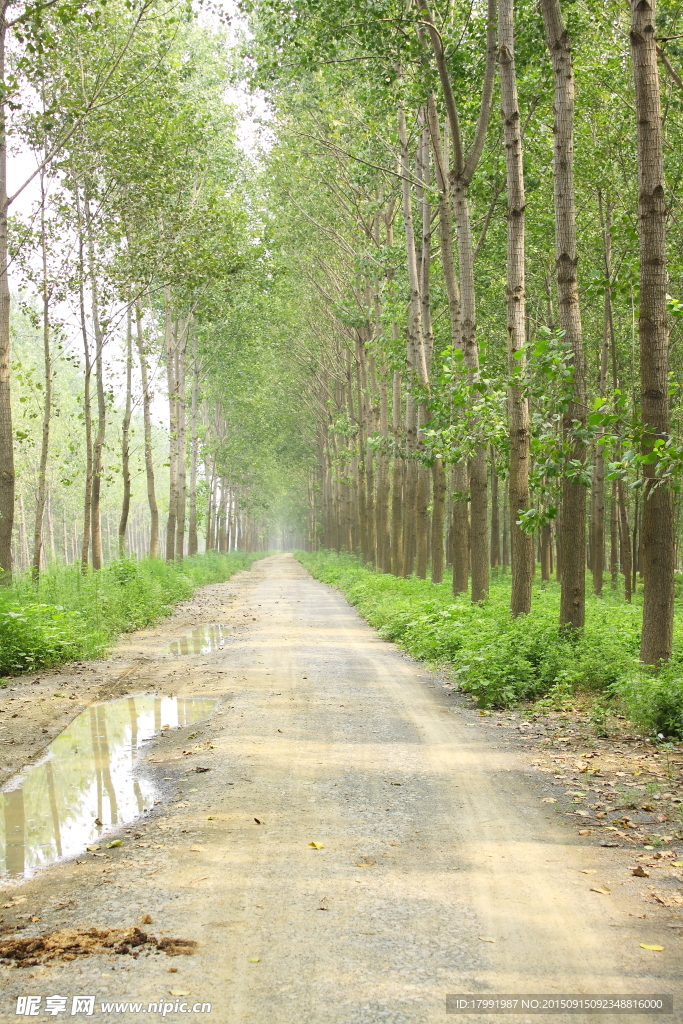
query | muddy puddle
(203,640)
(49,811)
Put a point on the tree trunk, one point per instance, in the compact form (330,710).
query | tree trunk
(125,431)
(397,495)
(170,338)
(181,381)
(657,527)
(459,528)
(573,523)
(87,409)
(626,566)
(98,447)
(47,406)
(438,515)
(382,522)
(518,405)
(495,513)
(149,451)
(6,432)
(192,544)
(614,538)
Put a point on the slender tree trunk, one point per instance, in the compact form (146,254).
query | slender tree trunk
(47,406)
(614,538)
(170,344)
(6,432)
(438,516)
(87,411)
(98,447)
(149,451)
(459,528)
(23,537)
(657,528)
(626,566)
(410,490)
(573,523)
(397,496)
(125,432)
(495,513)
(518,405)
(506,523)
(382,522)
(181,380)
(192,545)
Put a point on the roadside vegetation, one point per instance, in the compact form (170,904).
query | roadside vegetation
(502,661)
(71,614)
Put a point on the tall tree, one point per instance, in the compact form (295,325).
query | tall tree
(658,537)
(573,514)
(518,405)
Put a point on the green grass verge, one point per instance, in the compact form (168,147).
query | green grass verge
(502,661)
(72,615)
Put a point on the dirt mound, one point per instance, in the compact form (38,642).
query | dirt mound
(71,943)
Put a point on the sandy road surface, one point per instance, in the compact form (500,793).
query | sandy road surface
(434,840)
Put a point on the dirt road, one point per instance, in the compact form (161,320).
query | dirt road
(440,868)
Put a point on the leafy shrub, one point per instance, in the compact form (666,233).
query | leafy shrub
(75,615)
(654,703)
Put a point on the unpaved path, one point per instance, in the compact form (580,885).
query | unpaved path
(434,841)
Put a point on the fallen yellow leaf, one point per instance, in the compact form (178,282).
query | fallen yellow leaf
(113,843)
(254,960)
(596,888)
(92,848)
(316,846)
(211,817)
(179,991)
(655,949)
(677,863)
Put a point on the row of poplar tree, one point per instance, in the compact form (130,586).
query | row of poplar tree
(123,227)
(475,202)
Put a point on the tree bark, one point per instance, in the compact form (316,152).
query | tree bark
(87,408)
(192,543)
(459,528)
(7,474)
(149,451)
(98,447)
(125,432)
(47,404)
(397,494)
(495,513)
(657,526)
(170,340)
(438,515)
(573,513)
(181,420)
(518,405)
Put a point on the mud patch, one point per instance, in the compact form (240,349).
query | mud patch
(72,943)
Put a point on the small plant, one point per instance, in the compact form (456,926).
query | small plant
(598,718)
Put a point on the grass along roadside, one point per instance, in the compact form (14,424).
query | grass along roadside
(74,615)
(502,661)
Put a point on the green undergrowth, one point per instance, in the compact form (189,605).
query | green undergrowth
(71,615)
(502,661)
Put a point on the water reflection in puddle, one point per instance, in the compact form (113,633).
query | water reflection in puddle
(49,809)
(202,640)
